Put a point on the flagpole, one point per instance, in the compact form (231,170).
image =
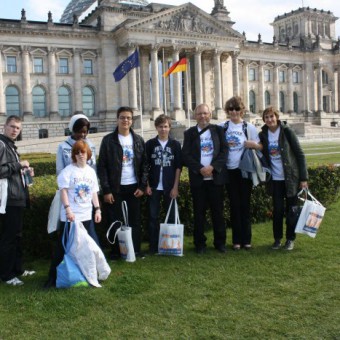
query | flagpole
(140,98)
(164,89)
(187,83)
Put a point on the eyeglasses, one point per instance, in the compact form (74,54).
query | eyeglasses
(234,108)
(80,152)
(202,113)
(125,118)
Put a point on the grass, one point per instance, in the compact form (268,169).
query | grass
(260,294)
(321,153)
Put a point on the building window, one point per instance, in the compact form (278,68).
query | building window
(88,101)
(252,101)
(63,66)
(38,65)
(252,74)
(282,101)
(266,98)
(12,101)
(64,101)
(11,64)
(295,77)
(282,76)
(88,66)
(267,76)
(296,102)
(324,78)
(39,101)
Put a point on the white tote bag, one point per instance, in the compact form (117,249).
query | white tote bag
(124,234)
(54,213)
(171,235)
(311,217)
(3,195)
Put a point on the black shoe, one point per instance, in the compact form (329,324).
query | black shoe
(276,245)
(50,283)
(140,255)
(201,250)
(221,249)
(115,257)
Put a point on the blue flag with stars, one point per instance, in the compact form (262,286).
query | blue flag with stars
(126,66)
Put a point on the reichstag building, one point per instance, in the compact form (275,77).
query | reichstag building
(52,70)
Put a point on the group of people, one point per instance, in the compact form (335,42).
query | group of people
(128,168)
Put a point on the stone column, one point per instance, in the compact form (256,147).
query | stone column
(156,110)
(101,107)
(26,82)
(219,113)
(337,108)
(334,91)
(290,89)
(246,83)
(52,81)
(198,77)
(276,99)
(261,105)
(236,82)
(2,94)
(132,80)
(319,86)
(77,81)
(145,79)
(178,112)
(305,90)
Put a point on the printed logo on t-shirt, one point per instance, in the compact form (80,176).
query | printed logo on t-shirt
(274,150)
(127,154)
(162,157)
(82,193)
(234,140)
(207,147)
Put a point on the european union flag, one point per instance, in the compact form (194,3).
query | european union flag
(126,66)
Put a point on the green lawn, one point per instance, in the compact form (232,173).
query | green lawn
(260,294)
(322,153)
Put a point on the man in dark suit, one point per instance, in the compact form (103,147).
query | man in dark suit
(204,153)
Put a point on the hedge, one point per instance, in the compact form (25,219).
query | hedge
(324,184)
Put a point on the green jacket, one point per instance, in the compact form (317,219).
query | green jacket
(293,158)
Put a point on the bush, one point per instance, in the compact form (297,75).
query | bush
(324,184)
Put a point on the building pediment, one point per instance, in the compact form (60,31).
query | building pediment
(185,19)
(38,52)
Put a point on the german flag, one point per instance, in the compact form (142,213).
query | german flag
(180,66)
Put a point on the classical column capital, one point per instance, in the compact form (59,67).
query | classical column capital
(155,47)
(25,49)
(235,54)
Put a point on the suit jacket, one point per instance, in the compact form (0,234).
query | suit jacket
(191,153)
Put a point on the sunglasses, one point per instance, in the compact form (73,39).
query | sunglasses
(234,108)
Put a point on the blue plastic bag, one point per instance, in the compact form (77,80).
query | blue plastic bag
(68,273)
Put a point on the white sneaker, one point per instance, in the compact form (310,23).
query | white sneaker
(28,273)
(14,282)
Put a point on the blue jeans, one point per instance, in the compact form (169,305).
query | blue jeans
(154,212)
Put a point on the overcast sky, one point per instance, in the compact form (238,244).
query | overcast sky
(251,16)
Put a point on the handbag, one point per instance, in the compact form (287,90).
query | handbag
(171,235)
(311,216)
(124,234)
(53,223)
(68,273)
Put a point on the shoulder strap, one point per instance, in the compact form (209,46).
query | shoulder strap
(245,128)
(68,143)
(226,126)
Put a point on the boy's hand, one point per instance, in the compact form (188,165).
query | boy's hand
(148,191)
(174,193)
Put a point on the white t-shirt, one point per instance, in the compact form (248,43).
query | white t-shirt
(81,184)
(160,183)
(128,171)
(207,149)
(275,155)
(235,138)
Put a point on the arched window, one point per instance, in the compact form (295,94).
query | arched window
(282,101)
(88,101)
(252,101)
(12,101)
(39,101)
(296,102)
(64,101)
(266,98)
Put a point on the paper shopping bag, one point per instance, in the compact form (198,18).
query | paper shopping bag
(311,217)
(171,235)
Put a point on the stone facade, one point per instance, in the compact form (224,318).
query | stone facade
(50,71)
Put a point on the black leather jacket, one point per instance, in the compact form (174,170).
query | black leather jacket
(109,167)
(10,168)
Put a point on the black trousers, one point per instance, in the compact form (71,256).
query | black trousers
(212,196)
(279,210)
(10,243)
(239,190)
(59,251)
(114,213)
